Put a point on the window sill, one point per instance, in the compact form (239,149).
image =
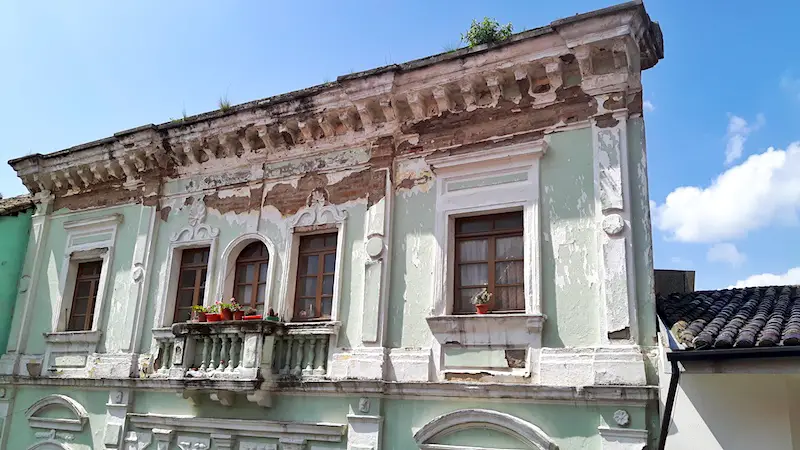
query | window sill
(496,330)
(73,337)
(327,327)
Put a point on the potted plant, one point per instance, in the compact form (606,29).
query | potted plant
(481,301)
(199,313)
(252,314)
(212,314)
(238,312)
(271,316)
(226,310)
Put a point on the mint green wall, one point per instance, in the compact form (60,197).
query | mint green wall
(14,230)
(570,292)
(21,436)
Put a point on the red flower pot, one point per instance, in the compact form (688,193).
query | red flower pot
(200,316)
(212,317)
(482,309)
(238,315)
(253,317)
(226,314)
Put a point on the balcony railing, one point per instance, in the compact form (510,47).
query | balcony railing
(255,351)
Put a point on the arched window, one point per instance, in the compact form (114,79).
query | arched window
(250,284)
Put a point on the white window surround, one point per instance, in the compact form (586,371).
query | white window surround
(76,423)
(504,179)
(318,217)
(227,271)
(87,240)
(196,234)
(487,182)
(526,432)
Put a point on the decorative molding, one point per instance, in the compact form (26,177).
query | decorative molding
(592,366)
(197,228)
(57,400)
(231,252)
(193,442)
(622,418)
(111,220)
(484,418)
(495,330)
(50,444)
(318,212)
(323,432)
(509,154)
(623,438)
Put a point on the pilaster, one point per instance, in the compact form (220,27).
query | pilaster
(116,412)
(376,268)
(40,224)
(613,221)
(140,276)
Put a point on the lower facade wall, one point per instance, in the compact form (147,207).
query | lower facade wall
(160,420)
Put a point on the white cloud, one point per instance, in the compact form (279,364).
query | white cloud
(792,276)
(738,130)
(648,106)
(761,191)
(791,85)
(727,253)
(679,262)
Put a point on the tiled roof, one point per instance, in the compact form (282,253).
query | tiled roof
(749,317)
(13,205)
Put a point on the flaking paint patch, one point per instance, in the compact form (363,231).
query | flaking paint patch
(413,176)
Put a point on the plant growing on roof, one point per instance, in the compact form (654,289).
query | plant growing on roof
(224,104)
(486,32)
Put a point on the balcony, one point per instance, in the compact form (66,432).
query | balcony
(241,356)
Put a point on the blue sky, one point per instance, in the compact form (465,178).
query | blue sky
(727,90)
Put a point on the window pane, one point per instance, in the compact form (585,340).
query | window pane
(89,269)
(509,221)
(313,242)
(473,250)
(509,299)
(309,264)
(79,306)
(188,277)
(262,272)
(203,278)
(262,293)
(308,287)
(241,294)
(83,288)
(76,323)
(183,315)
(473,225)
(474,274)
(327,285)
(465,299)
(330,263)
(509,272)
(509,248)
(185,298)
(240,270)
(327,305)
(249,273)
(306,309)
(330,241)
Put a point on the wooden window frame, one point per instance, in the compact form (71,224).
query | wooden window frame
(320,276)
(197,299)
(491,237)
(257,281)
(94,287)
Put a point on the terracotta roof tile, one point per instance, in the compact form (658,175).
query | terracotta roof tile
(742,318)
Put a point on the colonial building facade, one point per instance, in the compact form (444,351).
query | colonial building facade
(368,214)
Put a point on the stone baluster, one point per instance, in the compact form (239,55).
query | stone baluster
(308,353)
(240,355)
(320,356)
(235,350)
(277,355)
(298,356)
(204,364)
(287,359)
(223,354)
(212,362)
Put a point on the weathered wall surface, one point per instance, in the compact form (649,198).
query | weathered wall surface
(14,230)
